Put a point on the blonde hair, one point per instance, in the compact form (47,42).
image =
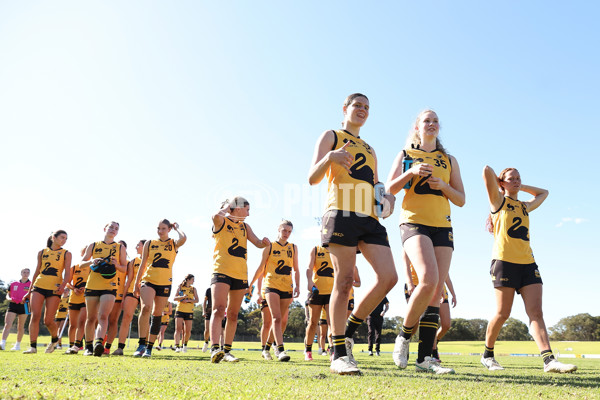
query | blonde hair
(238,202)
(287,222)
(414,139)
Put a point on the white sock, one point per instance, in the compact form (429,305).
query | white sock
(3,342)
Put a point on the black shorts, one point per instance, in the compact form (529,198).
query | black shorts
(76,306)
(350,304)
(131,295)
(263,304)
(161,290)
(187,316)
(347,228)
(207,316)
(322,322)
(164,323)
(440,237)
(282,295)
(45,292)
(223,322)
(507,274)
(17,308)
(98,293)
(118,301)
(234,284)
(59,319)
(406,295)
(316,299)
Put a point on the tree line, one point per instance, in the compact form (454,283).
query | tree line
(580,327)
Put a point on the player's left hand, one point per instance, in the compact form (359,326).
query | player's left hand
(436,183)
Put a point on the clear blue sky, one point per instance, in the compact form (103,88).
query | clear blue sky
(135,111)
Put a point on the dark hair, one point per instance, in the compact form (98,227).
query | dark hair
(353,96)
(187,277)
(124,243)
(166,222)
(143,241)
(54,236)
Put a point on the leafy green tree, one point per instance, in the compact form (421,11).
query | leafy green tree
(577,327)
(514,329)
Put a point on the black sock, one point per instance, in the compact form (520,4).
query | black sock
(71,344)
(142,341)
(121,346)
(280,348)
(428,326)
(407,332)
(107,346)
(89,347)
(268,346)
(339,346)
(308,347)
(214,347)
(352,325)
(55,339)
(227,348)
(547,356)
(489,352)
(185,344)
(79,343)
(33,344)
(149,346)
(206,342)
(435,354)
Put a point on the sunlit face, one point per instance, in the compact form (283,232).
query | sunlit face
(357,112)
(284,232)
(112,230)
(190,281)
(241,212)
(163,230)
(25,273)
(511,182)
(60,240)
(428,125)
(139,247)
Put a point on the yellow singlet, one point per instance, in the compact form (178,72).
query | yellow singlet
(166,316)
(63,308)
(79,279)
(161,256)
(278,271)
(421,204)
(511,233)
(121,276)
(323,270)
(53,264)
(230,250)
(323,314)
(352,191)
(102,250)
(135,263)
(188,292)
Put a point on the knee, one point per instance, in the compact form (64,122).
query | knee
(146,309)
(344,284)
(48,320)
(219,311)
(232,317)
(535,315)
(502,315)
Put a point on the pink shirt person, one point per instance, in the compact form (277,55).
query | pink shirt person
(17,290)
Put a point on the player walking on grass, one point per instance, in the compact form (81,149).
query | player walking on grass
(16,309)
(320,283)
(156,276)
(101,287)
(130,302)
(77,310)
(513,267)
(229,281)
(278,261)
(431,180)
(51,275)
(206,312)
(187,297)
(350,223)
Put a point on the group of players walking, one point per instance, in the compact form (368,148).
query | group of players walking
(430,180)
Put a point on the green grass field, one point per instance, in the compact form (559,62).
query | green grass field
(191,375)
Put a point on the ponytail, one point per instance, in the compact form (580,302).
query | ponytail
(53,236)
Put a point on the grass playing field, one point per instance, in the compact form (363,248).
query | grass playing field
(191,375)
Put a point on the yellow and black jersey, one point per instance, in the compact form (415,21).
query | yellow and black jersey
(79,280)
(421,204)
(323,314)
(323,270)
(352,191)
(165,315)
(278,269)
(351,294)
(51,270)
(102,250)
(121,277)
(188,292)
(161,256)
(415,281)
(230,250)
(63,308)
(135,264)
(511,233)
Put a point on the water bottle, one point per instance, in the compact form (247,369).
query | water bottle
(379,196)
(406,164)
(26,305)
(248,296)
